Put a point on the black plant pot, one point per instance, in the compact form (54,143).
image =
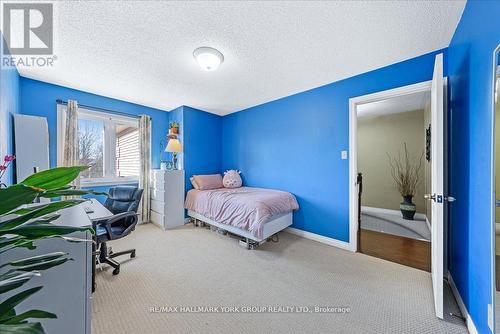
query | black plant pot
(408,208)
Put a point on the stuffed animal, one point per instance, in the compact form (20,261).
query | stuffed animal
(232,179)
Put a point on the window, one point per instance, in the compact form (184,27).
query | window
(127,150)
(108,143)
(91,147)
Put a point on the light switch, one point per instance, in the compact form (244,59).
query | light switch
(344,155)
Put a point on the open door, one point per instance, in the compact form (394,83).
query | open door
(437,197)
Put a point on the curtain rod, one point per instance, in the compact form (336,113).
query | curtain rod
(59,101)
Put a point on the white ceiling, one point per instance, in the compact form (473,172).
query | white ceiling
(142,51)
(400,104)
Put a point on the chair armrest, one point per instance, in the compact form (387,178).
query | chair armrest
(116,218)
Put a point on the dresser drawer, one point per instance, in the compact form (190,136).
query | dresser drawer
(158,175)
(157,194)
(167,198)
(158,219)
(158,184)
(158,206)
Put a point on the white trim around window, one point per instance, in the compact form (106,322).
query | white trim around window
(109,163)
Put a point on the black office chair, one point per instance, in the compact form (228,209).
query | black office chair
(123,202)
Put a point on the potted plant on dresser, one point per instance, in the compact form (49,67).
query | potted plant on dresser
(406,175)
(173,128)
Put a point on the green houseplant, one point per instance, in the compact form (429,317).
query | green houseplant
(173,128)
(21,227)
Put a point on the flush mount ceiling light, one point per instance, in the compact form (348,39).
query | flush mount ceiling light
(208,58)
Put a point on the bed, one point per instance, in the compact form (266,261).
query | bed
(255,214)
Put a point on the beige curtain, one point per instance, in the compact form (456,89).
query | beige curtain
(145,149)
(71,147)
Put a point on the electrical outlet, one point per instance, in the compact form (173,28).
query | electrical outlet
(490,317)
(343,155)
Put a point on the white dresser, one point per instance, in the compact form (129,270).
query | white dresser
(167,198)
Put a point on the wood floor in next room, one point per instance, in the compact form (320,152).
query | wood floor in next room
(196,267)
(406,251)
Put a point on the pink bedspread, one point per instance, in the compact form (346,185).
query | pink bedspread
(245,207)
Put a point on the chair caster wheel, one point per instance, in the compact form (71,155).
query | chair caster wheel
(116,271)
(132,255)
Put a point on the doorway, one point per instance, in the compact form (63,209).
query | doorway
(438,198)
(393,162)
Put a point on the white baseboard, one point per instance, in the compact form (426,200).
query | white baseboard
(320,238)
(389,211)
(468,320)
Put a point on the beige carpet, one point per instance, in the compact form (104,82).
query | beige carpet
(196,267)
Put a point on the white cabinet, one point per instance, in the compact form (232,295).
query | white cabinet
(167,198)
(67,287)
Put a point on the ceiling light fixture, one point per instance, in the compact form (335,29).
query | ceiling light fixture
(208,58)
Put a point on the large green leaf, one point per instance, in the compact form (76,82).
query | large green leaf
(15,279)
(35,259)
(15,300)
(54,178)
(42,265)
(24,328)
(15,196)
(70,192)
(21,242)
(6,241)
(38,314)
(27,242)
(43,230)
(39,211)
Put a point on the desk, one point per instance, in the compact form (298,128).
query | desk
(67,289)
(100,212)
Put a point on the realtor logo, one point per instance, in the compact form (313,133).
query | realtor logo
(28,28)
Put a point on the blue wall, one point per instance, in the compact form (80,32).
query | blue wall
(470,68)
(39,99)
(200,133)
(294,143)
(202,143)
(176,115)
(9,105)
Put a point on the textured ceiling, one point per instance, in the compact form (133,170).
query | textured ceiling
(404,103)
(142,51)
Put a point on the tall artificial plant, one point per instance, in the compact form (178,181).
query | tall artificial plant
(405,172)
(20,227)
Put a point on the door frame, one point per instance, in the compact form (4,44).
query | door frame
(496,54)
(353,149)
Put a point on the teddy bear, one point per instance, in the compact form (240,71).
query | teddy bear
(232,179)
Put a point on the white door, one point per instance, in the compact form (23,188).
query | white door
(437,180)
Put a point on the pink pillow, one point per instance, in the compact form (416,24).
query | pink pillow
(207,182)
(195,186)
